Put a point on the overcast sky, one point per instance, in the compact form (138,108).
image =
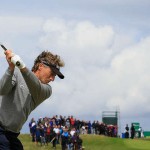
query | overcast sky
(106,48)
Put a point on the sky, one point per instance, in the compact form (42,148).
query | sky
(104,44)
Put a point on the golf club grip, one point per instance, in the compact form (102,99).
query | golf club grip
(4,47)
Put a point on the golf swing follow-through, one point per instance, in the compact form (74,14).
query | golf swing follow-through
(21,91)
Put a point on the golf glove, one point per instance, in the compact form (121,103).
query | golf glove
(16,60)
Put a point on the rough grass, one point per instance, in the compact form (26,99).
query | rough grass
(94,142)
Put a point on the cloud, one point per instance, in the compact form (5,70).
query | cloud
(14,25)
(131,71)
(83,40)
(82,33)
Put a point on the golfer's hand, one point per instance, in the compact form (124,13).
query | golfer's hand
(9,55)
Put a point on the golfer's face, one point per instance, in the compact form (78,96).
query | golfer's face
(47,75)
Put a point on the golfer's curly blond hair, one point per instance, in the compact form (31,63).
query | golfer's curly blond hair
(49,58)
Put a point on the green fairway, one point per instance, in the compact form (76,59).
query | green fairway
(94,142)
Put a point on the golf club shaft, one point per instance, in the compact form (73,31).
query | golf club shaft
(4,48)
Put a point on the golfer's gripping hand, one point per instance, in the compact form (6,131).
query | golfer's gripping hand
(12,59)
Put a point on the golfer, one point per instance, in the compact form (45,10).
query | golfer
(21,91)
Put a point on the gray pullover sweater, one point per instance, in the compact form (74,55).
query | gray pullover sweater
(20,93)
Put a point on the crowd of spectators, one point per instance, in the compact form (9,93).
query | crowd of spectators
(66,131)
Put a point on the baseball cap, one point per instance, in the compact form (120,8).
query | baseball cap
(55,69)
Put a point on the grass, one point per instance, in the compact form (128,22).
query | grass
(94,142)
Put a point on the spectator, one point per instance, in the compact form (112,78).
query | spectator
(96,127)
(132,131)
(79,143)
(37,135)
(83,130)
(48,132)
(77,125)
(64,138)
(68,123)
(126,131)
(33,130)
(60,132)
(57,131)
(93,127)
(42,134)
(72,121)
(72,132)
(53,139)
(89,127)
(30,126)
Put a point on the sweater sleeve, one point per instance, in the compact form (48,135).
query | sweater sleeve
(7,82)
(38,91)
